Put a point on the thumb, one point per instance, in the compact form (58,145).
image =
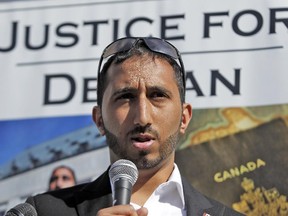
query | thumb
(142,211)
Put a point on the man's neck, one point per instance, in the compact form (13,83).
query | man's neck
(149,180)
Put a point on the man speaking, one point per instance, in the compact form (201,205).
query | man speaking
(142,112)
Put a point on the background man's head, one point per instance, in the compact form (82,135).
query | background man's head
(62,177)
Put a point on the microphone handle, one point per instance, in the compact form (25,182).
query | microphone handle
(122,192)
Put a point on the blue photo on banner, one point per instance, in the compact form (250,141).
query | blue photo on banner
(31,143)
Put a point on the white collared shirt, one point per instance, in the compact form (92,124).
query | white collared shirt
(168,198)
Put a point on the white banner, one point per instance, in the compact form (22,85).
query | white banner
(234,54)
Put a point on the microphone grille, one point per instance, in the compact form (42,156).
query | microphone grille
(23,209)
(123,169)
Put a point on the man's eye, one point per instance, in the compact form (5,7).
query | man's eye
(125,96)
(53,179)
(66,178)
(157,95)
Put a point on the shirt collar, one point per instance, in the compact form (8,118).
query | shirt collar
(175,178)
(174,181)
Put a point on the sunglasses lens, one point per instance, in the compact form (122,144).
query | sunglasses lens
(158,45)
(118,46)
(155,44)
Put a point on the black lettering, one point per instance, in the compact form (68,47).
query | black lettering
(88,89)
(235,89)
(165,27)
(208,23)
(27,38)
(274,20)
(257,28)
(196,87)
(14,37)
(61,33)
(133,21)
(95,32)
(115,29)
(48,80)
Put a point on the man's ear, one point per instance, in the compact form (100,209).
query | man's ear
(186,117)
(97,118)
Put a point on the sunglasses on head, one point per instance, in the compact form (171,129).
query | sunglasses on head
(154,44)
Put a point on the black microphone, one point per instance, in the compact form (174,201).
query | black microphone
(23,209)
(123,175)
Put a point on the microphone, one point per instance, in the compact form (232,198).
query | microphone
(123,175)
(23,209)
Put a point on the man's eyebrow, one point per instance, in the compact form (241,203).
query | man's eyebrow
(159,89)
(124,90)
(135,90)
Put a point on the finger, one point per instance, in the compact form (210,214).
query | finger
(127,210)
(142,211)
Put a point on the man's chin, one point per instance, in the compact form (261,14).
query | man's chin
(145,162)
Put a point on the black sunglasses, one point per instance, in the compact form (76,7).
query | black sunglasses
(154,44)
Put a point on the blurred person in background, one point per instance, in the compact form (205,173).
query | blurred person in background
(62,177)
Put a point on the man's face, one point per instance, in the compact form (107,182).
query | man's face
(142,115)
(61,178)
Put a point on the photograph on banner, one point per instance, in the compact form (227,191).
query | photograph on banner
(238,156)
(32,148)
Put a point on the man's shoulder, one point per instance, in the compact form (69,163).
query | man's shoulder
(59,202)
(195,199)
(66,199)
(65,195)
(221,209)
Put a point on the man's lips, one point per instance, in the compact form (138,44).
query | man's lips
(142,141)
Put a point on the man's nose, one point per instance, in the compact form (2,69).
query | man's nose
(59,182)
(143,111)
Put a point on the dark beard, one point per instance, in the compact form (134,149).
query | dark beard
(142,162)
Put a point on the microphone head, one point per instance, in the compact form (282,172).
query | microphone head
(23,209)
(123,169)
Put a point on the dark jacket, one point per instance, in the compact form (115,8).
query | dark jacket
(88,199)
